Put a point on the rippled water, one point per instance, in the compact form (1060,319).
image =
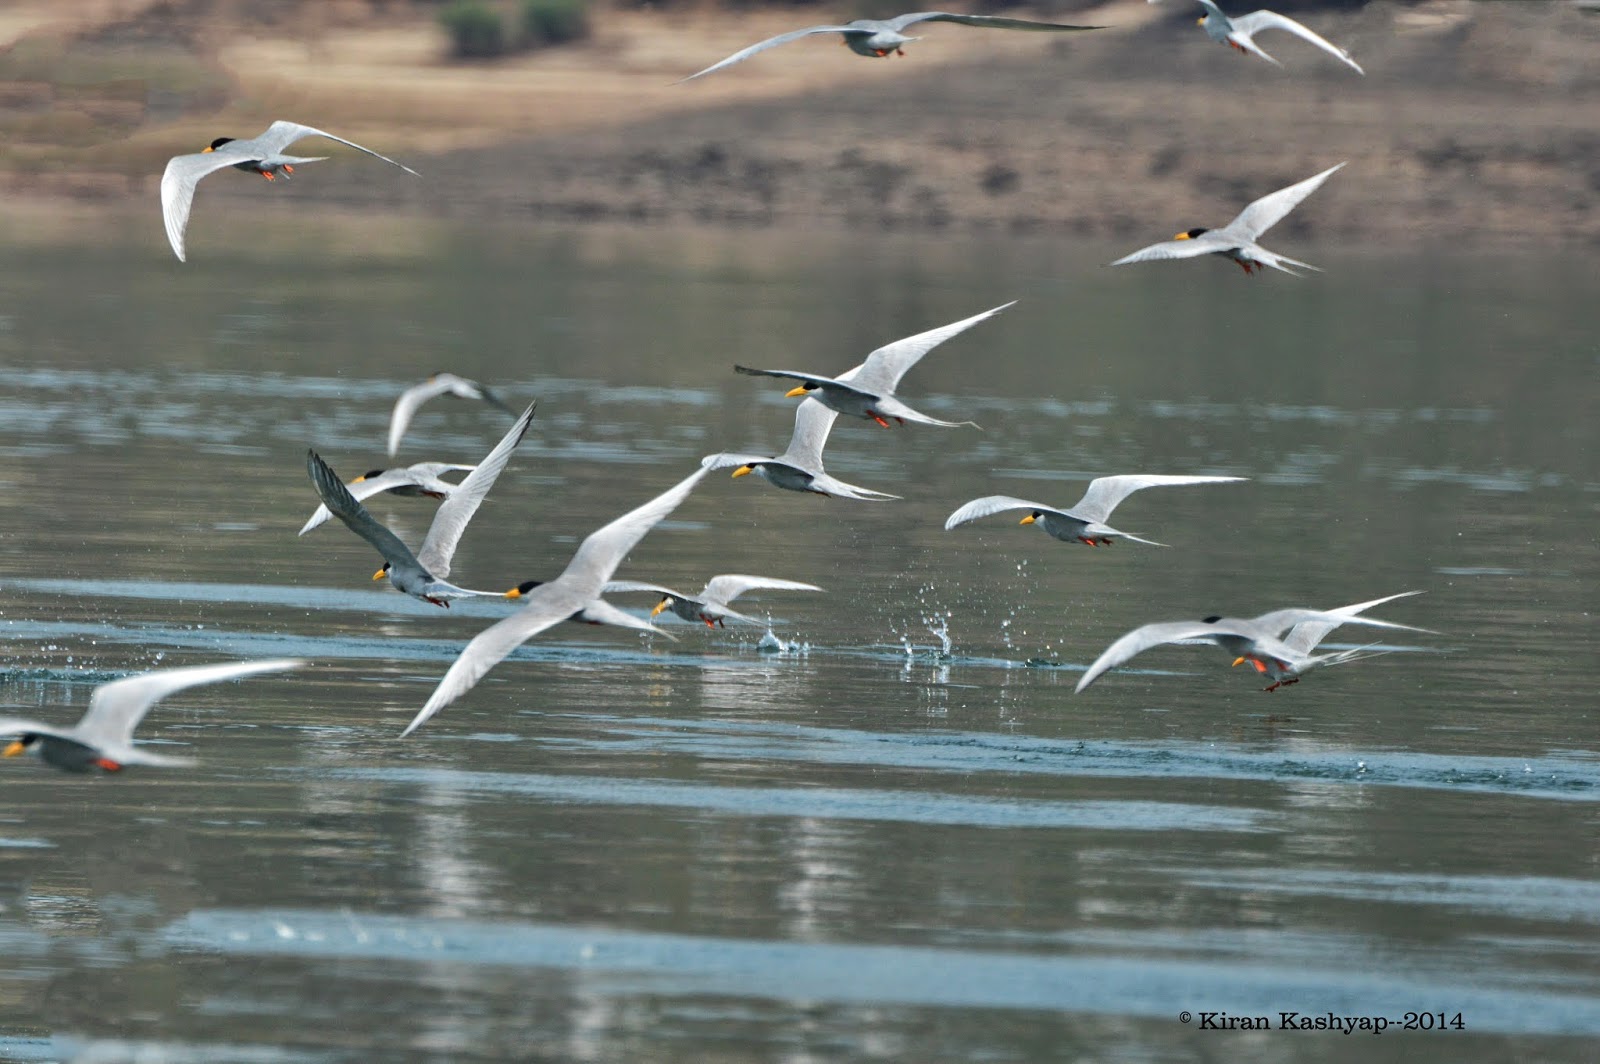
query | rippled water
(899,837)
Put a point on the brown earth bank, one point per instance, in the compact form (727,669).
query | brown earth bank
(1478,121)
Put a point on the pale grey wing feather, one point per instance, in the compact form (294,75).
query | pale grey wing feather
(178,183)
(729,586)
(599,611)
(812,423)
(883,368)
(1270,209)
(439,546)
(1306,628)
(337,498)
(116,708)
(547,605)
(12,726)
(796,375)
(470,389)
(997,22)
(773,42)
(1175,249)
(1256,21)
(993,504)
(423,474)
(405,408)
(599,555)
(1106,493)
(623,587)
(437,469)
(1246,43)
(889,406)
(281,134)
(830,485)
(728,459)
(1153,635)
(1307,634)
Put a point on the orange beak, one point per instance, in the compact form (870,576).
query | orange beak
(380,574)
(744,469)
(14,749)
(1026,520)
(1182,236)
(792,392)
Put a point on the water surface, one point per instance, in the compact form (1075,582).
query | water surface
(900,838)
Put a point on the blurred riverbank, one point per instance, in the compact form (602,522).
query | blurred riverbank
(1476,121)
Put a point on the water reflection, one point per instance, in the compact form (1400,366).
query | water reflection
(889,830)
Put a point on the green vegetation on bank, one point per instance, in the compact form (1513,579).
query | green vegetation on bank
(480,29)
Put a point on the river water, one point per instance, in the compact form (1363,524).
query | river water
(901,836)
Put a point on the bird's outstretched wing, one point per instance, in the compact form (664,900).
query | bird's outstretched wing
(1306,634)
(729,586)
(994,22)
(993,504)
(451,519)
(883,368)
(1256,21)
(1106,493)
(598,556)
(550,603)
(337,498)
(1270,209)
(772,42)
(178,183)
(116,708)
(1174,249)
(281,134)
(1153,635)
(812,423)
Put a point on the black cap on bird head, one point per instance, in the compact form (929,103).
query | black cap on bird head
(523,588)
(1213,619)
(219,142)
(801,389)
(19,745)
(1190,234)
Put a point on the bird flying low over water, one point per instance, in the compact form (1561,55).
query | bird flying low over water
(1237,33)
(257,155)
(1085,520)
(800,467)
(711,603)
(878,38)
(437,384)
(103,738)
(421,575)
(424,478)
(1237,239)
(548,604)
(867,391)
(1277,644)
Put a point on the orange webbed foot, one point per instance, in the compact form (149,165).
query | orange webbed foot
(108,764)
(874,416)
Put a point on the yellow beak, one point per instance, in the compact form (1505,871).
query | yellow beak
(663,604)
(380,574)
(14,749)
(1026,520)
(206,149)
(742,470)
(515,592)
(1181,236)
(792,392)
(358,480)
(1237,661)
